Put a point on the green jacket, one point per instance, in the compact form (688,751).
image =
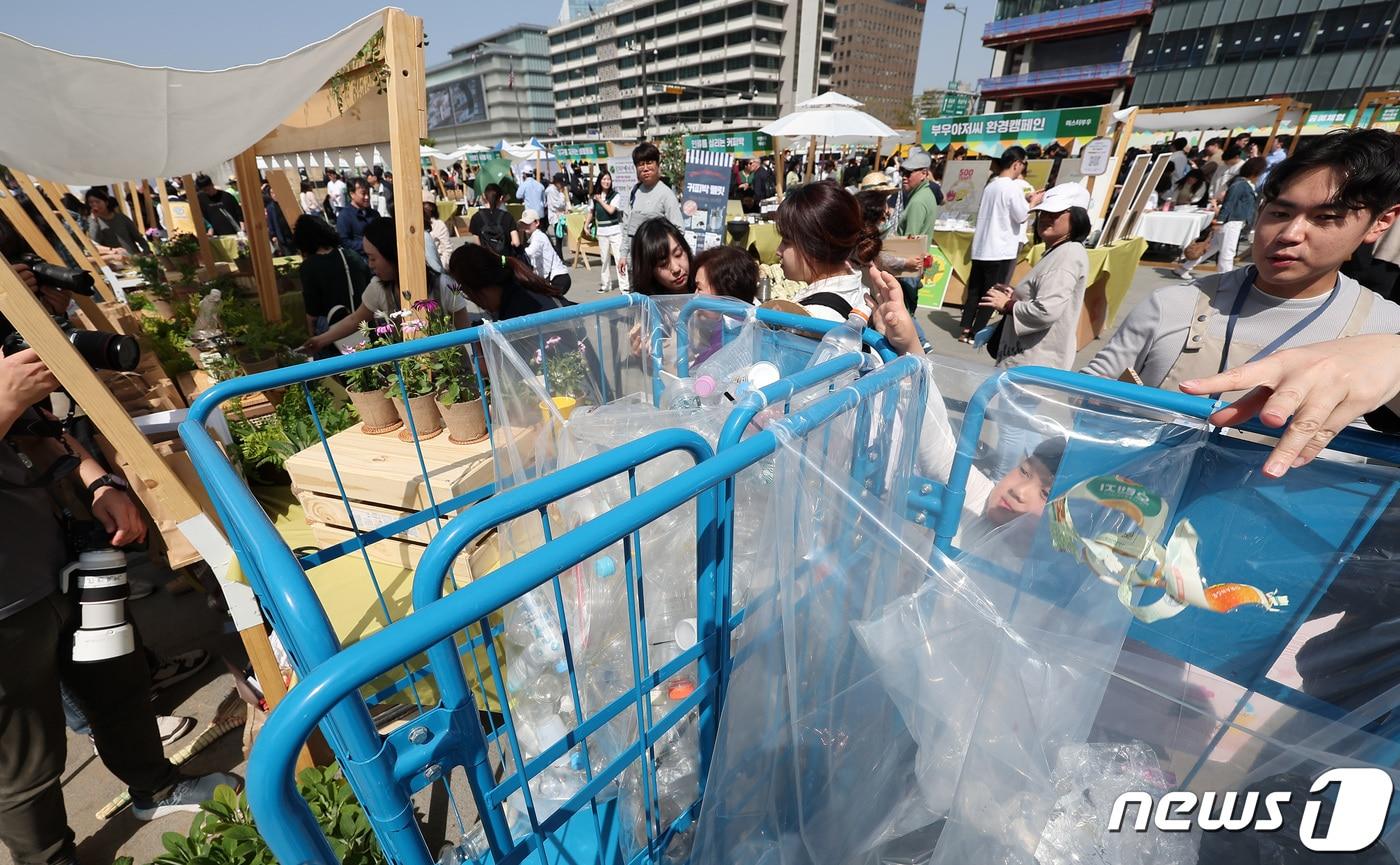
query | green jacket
(920,213)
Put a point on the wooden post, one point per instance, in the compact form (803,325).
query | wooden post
(24,311)
(1273,133)
(282,192)
(148,206)
(137,214)
(403,52)
(245,166)
(206,251)
(116,187)
(60,230)
(15,213)
(166,217)
(811,157)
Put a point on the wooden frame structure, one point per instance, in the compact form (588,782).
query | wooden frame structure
(1286,105)
(1377,99)
(406,123)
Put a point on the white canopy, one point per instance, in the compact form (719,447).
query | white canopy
(154,122)
(831,116)
(1205,117)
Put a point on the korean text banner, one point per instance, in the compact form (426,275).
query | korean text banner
(990,131)
(734,143)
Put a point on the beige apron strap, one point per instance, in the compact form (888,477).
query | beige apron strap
(1200,321)
(1360,311)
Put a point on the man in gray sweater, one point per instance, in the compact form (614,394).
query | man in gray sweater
(1317,207)
(650,198)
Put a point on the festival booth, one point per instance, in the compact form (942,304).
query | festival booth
(361,88)
(970,142)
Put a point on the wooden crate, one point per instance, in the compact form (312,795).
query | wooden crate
(478,559)
(381,470)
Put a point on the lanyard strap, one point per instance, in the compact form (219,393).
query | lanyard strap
(1279,340)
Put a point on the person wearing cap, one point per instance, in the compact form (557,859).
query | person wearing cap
(919,213)
(539,252)
(1041,314)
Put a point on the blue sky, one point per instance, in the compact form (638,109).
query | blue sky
(205,34)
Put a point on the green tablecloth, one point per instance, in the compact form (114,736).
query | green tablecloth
(764,237)
(957,246)
(447,209)
(224,247)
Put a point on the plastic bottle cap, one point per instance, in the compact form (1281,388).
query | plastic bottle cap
(604,567)
(561,666)
(706,386)
(686,634)
(763,374)
(679,689)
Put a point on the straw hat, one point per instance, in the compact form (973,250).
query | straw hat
(877,181)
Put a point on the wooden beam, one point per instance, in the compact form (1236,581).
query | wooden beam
(282,192)
(1273,132)
(116,188)
(206,251)
(28,316)
(137,215)
(167,218)
(403,52)
(59,228)
(148,204)
(19,218)
(245,166)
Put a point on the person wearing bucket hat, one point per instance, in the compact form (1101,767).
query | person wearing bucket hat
(1041,313)
(877,181)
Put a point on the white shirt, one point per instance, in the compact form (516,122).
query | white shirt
(336,190)
(1001,219)
(1222,177)
(542,257)
(848,285)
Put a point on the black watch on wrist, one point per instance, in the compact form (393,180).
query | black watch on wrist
(108,480)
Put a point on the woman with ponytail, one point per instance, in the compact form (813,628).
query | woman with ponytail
(503,286)
(826,244)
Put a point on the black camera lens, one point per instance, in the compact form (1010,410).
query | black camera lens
(66,278)
(102,350)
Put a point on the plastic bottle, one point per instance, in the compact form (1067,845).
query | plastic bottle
(841,339)
(531,623)
(680,396)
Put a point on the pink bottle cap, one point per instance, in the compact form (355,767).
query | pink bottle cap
(706,386)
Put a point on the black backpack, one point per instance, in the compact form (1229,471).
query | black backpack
(495,230)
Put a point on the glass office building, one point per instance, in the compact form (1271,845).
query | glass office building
(1323,52)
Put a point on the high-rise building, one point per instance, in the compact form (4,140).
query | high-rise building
(493,88)
(877,50)
(1063,53)
(1325,54)
(641,68)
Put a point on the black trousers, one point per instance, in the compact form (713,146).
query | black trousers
(37,645)
(983,276)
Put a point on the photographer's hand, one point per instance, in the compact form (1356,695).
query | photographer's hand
(24,380)
(119,516)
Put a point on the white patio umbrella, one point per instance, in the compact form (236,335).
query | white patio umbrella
(832,116)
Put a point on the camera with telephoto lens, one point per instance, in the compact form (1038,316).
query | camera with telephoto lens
(99,578)
(100,348)
(71,279)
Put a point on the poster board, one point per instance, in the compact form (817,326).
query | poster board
(933,285)
(181,221)
(705,198)
(963,182)
(1136,172)
(624,175)
(1129,223)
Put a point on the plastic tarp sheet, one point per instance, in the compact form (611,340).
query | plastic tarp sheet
(1235,117)
(1163,619)
(154,122)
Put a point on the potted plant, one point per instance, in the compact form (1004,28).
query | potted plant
(564,373)
(368,387)
(413,386)
(459,398)
(178,252)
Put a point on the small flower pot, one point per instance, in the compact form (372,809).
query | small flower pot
(466,421)
(376,410)
(427,423)
(250,363)
(565,405)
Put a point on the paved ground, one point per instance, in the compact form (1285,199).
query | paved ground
(172,624)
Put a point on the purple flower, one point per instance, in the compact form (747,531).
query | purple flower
(412,326)
(425,305)
(385,330)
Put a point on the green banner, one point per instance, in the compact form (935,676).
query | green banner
(734,143)
(591,151)
(980,131)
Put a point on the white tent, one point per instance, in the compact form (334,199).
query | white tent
(155,121)
(832,116)
(1247,116)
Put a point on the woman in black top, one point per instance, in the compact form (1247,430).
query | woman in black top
(503,286)
(332,277)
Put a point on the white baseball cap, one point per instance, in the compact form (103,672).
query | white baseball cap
(529,216)
(1061,198)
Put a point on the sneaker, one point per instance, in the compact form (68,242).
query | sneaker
(603,289)
(173,727)
(186,796)
(178,668)
(1186,274)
